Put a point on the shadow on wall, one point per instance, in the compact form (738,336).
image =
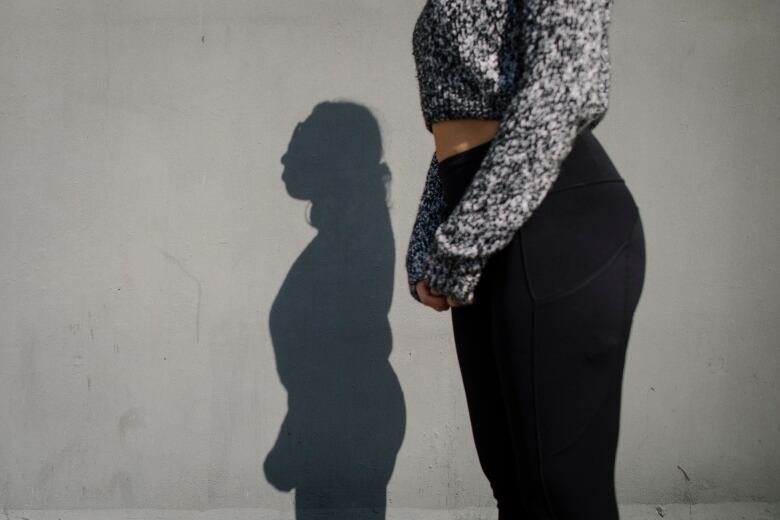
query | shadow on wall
(331,335)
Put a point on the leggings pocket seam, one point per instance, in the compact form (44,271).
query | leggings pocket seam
(584,283)
(592,276)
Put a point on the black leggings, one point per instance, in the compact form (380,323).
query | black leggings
(542,348)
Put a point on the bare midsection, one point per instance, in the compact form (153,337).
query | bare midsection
(458,135)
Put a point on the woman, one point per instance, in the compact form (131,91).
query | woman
(528,234)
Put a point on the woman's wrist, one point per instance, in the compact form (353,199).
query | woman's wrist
(452,276)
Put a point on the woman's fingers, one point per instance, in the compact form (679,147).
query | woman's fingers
(452,303)
(437,302)
(431,299)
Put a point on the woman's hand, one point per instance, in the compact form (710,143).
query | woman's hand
(433,299)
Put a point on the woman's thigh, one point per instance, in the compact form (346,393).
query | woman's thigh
(580,261)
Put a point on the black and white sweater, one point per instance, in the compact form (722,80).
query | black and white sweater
(542,68)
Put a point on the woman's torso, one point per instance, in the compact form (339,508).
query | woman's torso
(459,135)
(468,59)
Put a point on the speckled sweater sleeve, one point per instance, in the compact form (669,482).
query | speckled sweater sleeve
(430,213)
(564,89)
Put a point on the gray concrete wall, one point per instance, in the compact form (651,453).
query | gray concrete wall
(166,294)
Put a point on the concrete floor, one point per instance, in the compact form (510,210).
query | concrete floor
(721,511)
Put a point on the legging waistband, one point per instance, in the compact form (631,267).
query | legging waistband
(586,163)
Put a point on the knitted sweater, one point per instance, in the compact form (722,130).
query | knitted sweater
(542,68)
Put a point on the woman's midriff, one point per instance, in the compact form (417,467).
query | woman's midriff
(458,135)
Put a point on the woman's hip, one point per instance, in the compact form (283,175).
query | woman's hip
(581,225)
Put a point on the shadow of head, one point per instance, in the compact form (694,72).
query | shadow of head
(336,153)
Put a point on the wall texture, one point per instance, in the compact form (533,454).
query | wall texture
(181,328)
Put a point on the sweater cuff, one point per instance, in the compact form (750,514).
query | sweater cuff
(452,276)
(413,290)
